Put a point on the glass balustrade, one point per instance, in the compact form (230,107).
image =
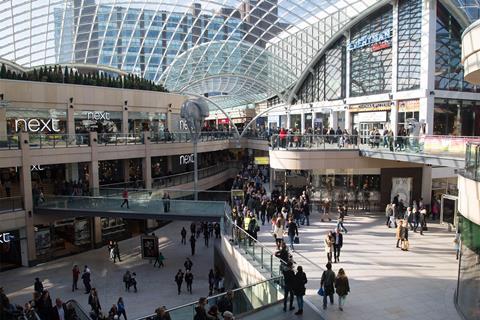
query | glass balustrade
(43,141)
(472,161)
(9,142)
(115,139)
(10,204)
(245,299)
(155,207)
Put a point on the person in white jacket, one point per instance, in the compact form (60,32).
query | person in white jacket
(279,230)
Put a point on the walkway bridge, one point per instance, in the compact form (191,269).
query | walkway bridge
(139,208)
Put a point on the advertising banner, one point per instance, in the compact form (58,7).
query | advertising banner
(446,145)
(149,247)
(402,187)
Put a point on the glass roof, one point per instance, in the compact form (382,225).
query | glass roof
(235,52)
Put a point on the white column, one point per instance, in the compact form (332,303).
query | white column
(333,119)
(427,184)
(394,117)
(71,119)
(125,119)
(426,113)
(288,121)
(347,69)
(428,41)
(395,46)
(348,121)
(302,122)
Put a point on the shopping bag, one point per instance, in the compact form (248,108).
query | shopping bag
(296,240)
(321,292)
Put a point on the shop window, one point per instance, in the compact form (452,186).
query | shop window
(409,44)
(448,67)
(456,117)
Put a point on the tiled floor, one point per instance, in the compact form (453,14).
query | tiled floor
(386,283)
(156,286)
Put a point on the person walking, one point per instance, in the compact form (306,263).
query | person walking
(94,302)
(206,236)
(189,280)
(192,243)
(399,232)
(126,280)
(159,260)
(179,280)
(337,245)
(404,237)
(188,264)
(341,217)
(166,202)
(226,303)
(183,233)
(327,283)
(328,242)
(300,282)
(289,286)
(86,277)
(125,198)
(133,281)
(211,282)
(292,231)
(75,276)
(116,252)
(121,308)
(38,285)
(342,287)
(59,311)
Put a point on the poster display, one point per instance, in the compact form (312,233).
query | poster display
(42,241)
(82,232)
(402,187)
(149,246)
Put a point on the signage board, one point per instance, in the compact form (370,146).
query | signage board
(377,116)
(370,39)
(5,237)
(376,106)
(409,105)
(149,247)
(262,160)
(98,115)
(36,125)
(186,159)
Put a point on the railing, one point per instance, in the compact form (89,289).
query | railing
(184,137)
(252,247)
(10,204)
(245,299)
(116,139)
(58,140)
(9,142)
(257,135)
(80,312)
(445,146)
(144,206)
(182,178)
(472,161)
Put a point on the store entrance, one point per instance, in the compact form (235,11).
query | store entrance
(366,127)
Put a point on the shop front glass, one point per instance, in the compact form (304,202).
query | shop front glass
(456,117)
(98,121)
(113,229)
(337,186)
(307,121)
(110,171)
(10,251)
(10,182)
(295,121)
(159,167)
(44,121)
(468,286)
(367,122)
(146,121)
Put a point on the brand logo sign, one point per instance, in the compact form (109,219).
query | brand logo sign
(5,237)
(98,115)
(187,158)
(36,125)
(372,39)
(37,167)
(182,125)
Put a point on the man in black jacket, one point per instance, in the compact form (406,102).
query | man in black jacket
(327,282)
(337,245)
(289,277)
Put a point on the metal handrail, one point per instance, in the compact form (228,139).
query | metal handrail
(216,296)
(85,313)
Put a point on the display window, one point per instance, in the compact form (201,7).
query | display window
(456,117)
(39,121)
(10,250)
(146,121)
(98,121)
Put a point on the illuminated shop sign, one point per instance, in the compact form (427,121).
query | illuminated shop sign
(98,115)
(5,237)
(36,125)
(379,41)
(186,159)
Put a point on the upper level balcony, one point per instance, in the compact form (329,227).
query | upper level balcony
(471,53)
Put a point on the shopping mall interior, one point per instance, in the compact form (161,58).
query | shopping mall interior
(207,159)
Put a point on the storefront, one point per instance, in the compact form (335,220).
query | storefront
(34,120)
(456,117)
(146,121)
(114,229)
(63,237)
(407,109)
(10,250)
(98,121)
(159,167)
(371,116)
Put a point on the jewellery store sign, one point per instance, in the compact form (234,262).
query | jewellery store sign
(377,106)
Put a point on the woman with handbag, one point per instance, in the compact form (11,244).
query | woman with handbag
(342,287)
(328,241)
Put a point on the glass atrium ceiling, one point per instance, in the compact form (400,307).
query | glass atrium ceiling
(236,52)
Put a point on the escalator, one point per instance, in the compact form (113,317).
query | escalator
(81,313)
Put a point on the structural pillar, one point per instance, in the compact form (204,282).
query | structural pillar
(333,119)
(394,118)
(427,106)
(94,182)
(147,162)
(126,170)
(288,121)
(348,121)
(427,184)
(302,122)
(3,121)
(125,117)
(394,46)
(71,118)
(26,187)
